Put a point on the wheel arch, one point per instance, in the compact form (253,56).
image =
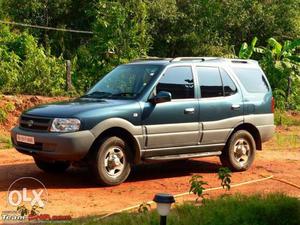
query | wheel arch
(252,130)
(122,129)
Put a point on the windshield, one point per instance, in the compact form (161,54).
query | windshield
(125,81)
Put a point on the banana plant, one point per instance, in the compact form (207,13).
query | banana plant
(285,52)
(246,50)
(281,62)
(284,58)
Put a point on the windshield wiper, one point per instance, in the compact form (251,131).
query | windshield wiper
(124,94)
(97,94)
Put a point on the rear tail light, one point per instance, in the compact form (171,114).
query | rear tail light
(273,105)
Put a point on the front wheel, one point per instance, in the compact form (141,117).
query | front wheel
(52,167)
(239,152)
(110,163)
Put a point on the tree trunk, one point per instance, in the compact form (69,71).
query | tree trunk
(289,87)
(68,76)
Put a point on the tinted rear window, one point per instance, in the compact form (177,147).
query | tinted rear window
(228,85)
(210,82)
(252,79)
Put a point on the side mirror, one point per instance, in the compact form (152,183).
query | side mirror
(162,96)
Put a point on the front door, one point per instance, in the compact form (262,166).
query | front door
(173,123)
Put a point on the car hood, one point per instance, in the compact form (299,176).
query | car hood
(74,107)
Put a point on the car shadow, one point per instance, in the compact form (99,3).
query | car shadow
(77,178)
(171,169)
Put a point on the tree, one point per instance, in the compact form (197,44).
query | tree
(120,35)
(26,67)
(75,14)
(202,27)
(1,10)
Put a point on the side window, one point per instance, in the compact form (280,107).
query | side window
(229,86)
(252,79)
(178,81)
(210,82)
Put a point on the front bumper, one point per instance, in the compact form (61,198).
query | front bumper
(55,146)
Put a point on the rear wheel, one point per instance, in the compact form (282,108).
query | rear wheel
(110,163)
(239,152)
(52,167)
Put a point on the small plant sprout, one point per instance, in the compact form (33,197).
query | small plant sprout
(197,188)
(22,210)
(35,210)
(144,207)
(224,175)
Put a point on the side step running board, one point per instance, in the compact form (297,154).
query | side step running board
(182,156)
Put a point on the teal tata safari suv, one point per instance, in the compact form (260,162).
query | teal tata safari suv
(154,110)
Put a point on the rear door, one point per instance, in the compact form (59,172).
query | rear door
(257,94)
(257,91)
(221,105)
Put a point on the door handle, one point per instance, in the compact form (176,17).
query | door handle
(189,111)
(235,107)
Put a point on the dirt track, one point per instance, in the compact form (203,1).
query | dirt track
(73,193)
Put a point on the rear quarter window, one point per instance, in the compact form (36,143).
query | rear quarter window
(252,79)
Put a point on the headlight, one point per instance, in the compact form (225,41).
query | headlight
(65,125)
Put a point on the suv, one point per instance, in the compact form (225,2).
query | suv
(154,110)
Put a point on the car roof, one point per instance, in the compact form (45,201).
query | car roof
(197,60)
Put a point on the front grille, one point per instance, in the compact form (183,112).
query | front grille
(36,146)
(34,123)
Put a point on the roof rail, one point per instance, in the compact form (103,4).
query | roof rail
(239,61)
(178,59)
(149,58)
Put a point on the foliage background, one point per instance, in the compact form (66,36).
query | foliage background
(33,61)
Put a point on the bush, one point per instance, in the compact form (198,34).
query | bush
(5,142)
(9,107)
(27,68)
(3,116)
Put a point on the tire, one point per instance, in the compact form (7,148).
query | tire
(110,163)
(239,152)
(52,167)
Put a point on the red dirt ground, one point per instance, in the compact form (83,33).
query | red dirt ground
(73,192)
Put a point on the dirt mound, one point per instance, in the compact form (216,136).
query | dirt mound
(13,106)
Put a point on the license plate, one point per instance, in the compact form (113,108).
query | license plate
(25,139)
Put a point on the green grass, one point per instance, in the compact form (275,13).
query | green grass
(287,141)
(287,135)
(273,209)
(286,118)
(5,142)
